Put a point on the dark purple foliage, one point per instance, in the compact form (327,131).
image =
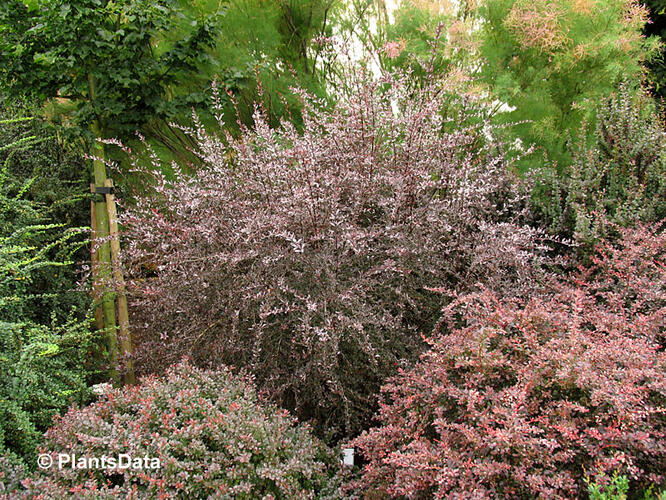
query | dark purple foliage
(308,258)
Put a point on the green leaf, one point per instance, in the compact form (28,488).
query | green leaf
(45,59)
(32,5)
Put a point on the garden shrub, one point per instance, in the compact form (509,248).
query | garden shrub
(43,371)
(210,433)
(44,182)
(525,398)
(618,172)
(307,258)
(617,488)
(11,476)
(44,365)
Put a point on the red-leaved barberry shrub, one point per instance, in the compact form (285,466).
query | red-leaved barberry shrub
(209,432)
(307,258)
(523,398)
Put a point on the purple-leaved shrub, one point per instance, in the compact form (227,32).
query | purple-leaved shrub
(309,258)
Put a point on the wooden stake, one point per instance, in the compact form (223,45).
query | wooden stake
(104,257)
(124,337)
(94,263)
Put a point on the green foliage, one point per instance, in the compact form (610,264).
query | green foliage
(552,60)
(42,184)
(617,175)
(542,65)
(29,244)
(43,366)
(42,372)
(134,65)
(263,49)
(616,488)
(657,27)
(416,41)
(112,68)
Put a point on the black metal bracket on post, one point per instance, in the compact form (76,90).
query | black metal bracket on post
(101,192)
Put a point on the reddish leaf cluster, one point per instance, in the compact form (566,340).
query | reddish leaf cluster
(523,398)
(307,258)
(207,429)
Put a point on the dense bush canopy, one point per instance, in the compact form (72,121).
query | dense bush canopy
(308,258)
(527,398)
(617,175)
(208,430)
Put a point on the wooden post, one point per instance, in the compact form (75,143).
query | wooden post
(94,263)
(104,274)
(104,251)
(124,335)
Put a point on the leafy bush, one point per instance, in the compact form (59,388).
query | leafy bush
(209,432)
(44,182)
(618,176)
(43,370)
(524,398)
(617,488)
(43,366)
(11,476)
(307,258)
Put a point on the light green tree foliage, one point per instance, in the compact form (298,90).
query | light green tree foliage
(430,37)
(108,63)
(411,40)
(132,64)
(264,48)
(552,60)
(543,65)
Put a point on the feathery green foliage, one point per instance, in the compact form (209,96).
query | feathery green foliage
(552,60)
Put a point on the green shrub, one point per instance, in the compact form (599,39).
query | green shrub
(43,182)
(616,488)
(42,372)
(617,177)
(43,364)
